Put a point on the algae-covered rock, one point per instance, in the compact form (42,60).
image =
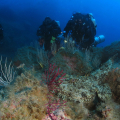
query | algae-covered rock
(84,88)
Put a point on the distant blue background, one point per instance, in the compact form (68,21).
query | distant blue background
(23,17)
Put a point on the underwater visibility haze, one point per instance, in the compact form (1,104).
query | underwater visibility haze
(59,60)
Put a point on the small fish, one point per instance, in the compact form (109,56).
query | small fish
(65,41)
(41,65)
(53,39)
(21,66)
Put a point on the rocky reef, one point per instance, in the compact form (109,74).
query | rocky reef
(90,89)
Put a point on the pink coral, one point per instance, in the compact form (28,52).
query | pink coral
(57,115)
(54,105)
(106,112)
(52,78)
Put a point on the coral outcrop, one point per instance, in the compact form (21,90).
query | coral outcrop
(91,86)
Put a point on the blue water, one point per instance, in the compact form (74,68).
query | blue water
(21,19)
(28,15)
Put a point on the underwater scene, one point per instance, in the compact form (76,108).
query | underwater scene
(59,60)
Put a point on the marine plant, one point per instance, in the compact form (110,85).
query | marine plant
(52,78)
(52,106)
(7,73)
